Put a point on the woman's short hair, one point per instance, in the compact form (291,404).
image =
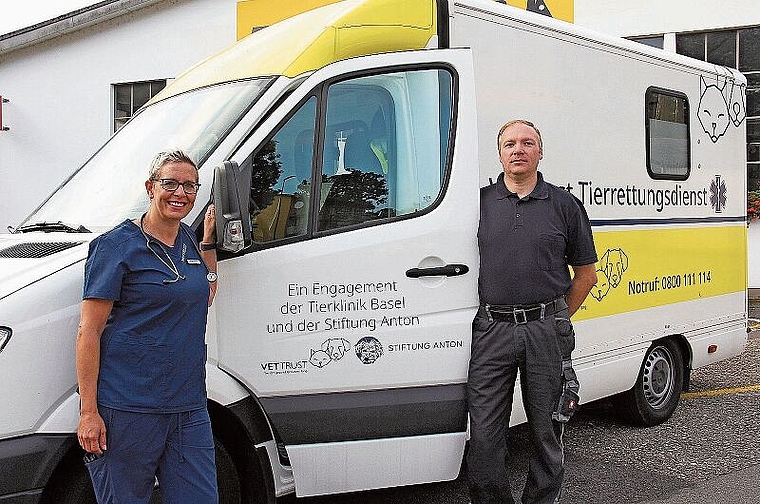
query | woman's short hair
(166,157)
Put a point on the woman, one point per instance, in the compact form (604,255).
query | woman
(141,352)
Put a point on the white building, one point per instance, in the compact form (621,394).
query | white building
(69,80)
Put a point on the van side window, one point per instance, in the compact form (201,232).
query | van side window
(384,146)
(282,178)
(667,132)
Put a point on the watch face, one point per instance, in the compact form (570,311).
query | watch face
(211,276)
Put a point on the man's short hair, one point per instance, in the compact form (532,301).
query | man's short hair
(519,121)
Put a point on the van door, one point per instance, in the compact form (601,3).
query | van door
(350,317)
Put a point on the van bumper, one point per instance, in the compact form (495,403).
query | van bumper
(28,462)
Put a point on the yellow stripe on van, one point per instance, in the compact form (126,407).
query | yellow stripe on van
(316,38)
(654,267)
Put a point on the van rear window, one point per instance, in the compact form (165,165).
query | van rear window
(667,134)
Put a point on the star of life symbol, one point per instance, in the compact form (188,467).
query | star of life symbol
(718,194)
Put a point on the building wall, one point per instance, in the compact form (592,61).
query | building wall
(626,18)
(60,108)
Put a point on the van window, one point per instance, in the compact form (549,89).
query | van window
(379,152)
(667,134)
(281,178)
(384,146)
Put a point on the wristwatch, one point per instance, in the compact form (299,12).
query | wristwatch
(208,246)
(211,276)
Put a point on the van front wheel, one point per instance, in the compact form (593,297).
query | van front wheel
(655,396)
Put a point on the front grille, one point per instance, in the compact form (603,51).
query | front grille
(36,250)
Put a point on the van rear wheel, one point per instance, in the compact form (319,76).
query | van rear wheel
(657,390)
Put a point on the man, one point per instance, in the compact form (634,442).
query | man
(530,232)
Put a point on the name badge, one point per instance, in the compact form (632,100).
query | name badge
(194,261)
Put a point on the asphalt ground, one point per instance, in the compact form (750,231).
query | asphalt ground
(707,453)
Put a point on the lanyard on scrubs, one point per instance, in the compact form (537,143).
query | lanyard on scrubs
(169,262)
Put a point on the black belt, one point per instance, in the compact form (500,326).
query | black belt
(524,314)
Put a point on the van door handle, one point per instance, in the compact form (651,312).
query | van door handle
(447,270)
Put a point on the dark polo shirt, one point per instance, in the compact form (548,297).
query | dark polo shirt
(527,244)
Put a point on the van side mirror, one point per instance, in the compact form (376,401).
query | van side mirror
(231,190)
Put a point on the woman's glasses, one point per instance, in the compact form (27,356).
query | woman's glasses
(172,185)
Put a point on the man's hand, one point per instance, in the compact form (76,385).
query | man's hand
(584,278)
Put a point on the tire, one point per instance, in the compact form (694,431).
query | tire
(72,485)
(655,396)
(226,476)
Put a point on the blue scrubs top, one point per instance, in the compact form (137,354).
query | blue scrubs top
(152,350)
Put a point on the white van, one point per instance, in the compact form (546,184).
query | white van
(358,135)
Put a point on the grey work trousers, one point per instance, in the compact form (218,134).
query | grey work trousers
(499,350)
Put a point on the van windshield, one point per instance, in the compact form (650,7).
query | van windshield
(110,186)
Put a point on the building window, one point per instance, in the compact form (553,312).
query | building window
(721,48)
(667,130)
(129,97)
(753,94)
(753,154)
(749,50)
(749,63)
(657,41)
(717,47)
(691,45)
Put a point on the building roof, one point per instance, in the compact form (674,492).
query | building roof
(70,22)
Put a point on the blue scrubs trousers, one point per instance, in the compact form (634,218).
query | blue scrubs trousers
(176,448)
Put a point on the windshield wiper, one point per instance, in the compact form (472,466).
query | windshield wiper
(50,227)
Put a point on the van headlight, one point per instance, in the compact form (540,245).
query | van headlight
(5,336)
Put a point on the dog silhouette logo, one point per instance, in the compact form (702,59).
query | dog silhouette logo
(332,349)
(612,265)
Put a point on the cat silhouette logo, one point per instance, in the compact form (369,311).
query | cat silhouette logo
(319,358)
(332,349)
(721,104)
(368,349)
(612,265)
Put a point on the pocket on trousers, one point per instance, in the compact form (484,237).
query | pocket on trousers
(565,334)
(480,323)
(101,481)
(196,426)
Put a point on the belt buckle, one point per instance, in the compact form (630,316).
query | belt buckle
(517,311)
